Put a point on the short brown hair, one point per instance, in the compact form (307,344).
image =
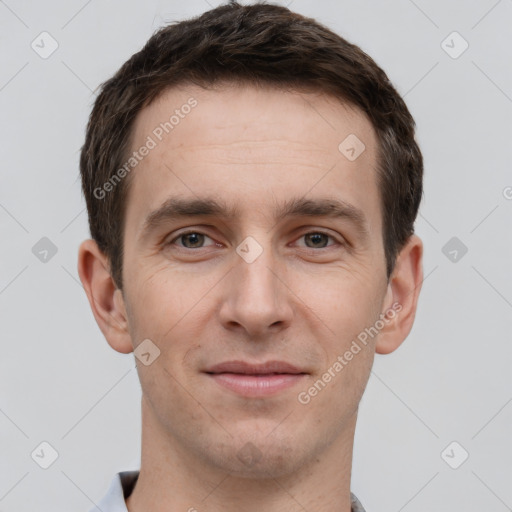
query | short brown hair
(259,44)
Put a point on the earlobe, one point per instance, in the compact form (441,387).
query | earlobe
(105,299)
(402,296)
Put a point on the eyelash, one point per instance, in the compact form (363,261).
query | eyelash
(195,232)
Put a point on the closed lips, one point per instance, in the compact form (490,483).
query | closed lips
(246,368)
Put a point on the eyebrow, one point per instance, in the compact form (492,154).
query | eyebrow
(178,208)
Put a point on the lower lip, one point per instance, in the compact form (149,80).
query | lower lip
(257,385)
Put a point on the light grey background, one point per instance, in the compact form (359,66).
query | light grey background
(450,381)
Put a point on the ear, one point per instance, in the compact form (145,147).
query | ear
(402,294)
(105,299)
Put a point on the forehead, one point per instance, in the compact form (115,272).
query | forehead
(251,147)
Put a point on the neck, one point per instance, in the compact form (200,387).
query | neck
(172,478)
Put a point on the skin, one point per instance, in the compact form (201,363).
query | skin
(302,300)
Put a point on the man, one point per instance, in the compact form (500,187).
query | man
(252,182)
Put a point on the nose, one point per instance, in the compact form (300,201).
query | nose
(256,298)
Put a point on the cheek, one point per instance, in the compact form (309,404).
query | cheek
(161,300)
(344,300)
(167,394)
(346,305)
(340,384)
(172,309)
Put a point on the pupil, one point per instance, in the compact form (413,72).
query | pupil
(193,238)
(316,238)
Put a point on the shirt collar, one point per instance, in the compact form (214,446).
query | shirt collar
(120,488)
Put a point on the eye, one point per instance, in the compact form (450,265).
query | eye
(196,240)
(191,240)
(316,239)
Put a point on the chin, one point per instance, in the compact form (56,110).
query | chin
(258,458)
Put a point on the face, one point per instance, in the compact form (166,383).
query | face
(253,260)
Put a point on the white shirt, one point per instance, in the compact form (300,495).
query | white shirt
(122,486)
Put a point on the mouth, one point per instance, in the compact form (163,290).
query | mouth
(256,380)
